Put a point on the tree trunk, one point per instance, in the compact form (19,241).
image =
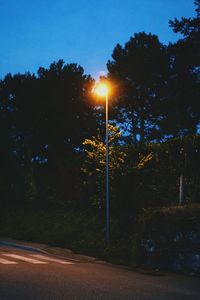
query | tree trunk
(181,191)
(141,127)
(133,121)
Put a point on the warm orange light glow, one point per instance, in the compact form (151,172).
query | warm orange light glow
(101,90)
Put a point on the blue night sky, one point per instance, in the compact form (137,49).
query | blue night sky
(36,33)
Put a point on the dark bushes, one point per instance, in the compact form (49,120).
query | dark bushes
(169,238)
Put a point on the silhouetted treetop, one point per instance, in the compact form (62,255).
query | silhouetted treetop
(140,68)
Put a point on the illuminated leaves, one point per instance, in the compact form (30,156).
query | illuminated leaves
(95,150)
(144,160)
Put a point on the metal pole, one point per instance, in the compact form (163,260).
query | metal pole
(107,180)
(181,191)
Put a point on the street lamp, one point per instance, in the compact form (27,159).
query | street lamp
(102,90)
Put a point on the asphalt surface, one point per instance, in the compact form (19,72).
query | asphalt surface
(29,275)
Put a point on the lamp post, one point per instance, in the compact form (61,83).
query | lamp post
(102,90)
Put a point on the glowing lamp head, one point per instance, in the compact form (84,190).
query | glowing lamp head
(102,90)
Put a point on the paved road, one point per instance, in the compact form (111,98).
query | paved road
(28,275)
